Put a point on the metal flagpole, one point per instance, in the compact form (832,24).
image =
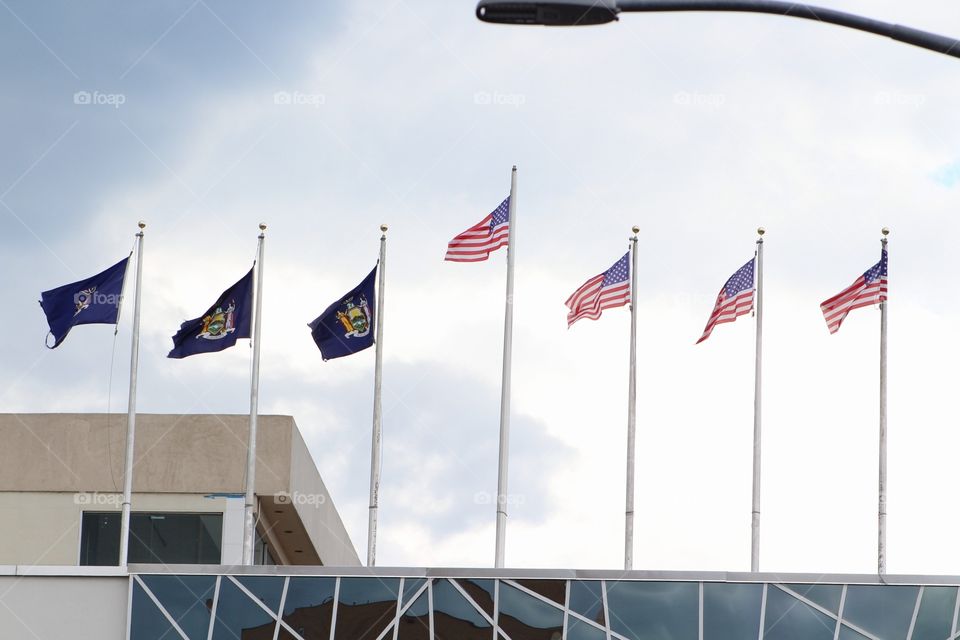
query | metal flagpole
(755,512)
(131,407)
(631,406)
(882,509)
(377,409)
(248,523)
(505,384)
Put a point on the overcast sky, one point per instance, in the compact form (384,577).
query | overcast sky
(325,119)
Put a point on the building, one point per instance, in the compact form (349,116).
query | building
(61,478)
(59,536)
(197,602)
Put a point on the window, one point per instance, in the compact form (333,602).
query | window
(168,538)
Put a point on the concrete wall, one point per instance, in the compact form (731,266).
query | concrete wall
(60,607)
(49,462)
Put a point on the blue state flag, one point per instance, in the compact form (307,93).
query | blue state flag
(346,327)
(95,300)
(221,326)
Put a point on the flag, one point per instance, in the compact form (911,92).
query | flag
(224,323)
(479,241)
(735,299)
(95,300)
(605,291)
(869,289)
(346,326)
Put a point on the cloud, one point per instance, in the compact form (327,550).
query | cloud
(948,175)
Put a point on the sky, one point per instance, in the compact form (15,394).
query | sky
(204,118)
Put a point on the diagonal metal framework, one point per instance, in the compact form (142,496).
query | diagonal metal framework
(613,623)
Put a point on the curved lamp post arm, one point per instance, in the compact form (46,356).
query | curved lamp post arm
(924,39)
(586,12)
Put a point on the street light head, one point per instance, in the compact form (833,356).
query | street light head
(551,13)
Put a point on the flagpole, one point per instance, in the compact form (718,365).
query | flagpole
(376,441)
(755,512)
(882,508)
(505,383)
(631,408)
(131,407)
(248,502)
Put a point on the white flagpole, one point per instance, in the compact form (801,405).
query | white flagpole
(376,442)
(882,509)
(248,502)
(131,407)
(505,384)
(631,407)
(755,512)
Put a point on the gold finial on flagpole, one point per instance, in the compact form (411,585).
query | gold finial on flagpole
(636,229)
(761,231)
(885,231)
(263,227)
(383,228)
(142,225)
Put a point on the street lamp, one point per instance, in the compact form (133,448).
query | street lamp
(570,13)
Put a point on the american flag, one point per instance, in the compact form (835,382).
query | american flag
(608,290)
(869,289)
(735,299)
(479,241)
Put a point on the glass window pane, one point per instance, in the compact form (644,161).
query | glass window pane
(453,617)
(882,610)
(526,617)
(175,538)
(146,621)
(935,618)
(580,630)
(731,610)
(789,619)
(481,591)
(586,598)
(367,606)
(846,633)
(188,599)
(309,606)
(286,635)
(654,610)
(410,588)
(415,623)
(825,595)
(267,589)
(238,616)
(555,590)
(99,539)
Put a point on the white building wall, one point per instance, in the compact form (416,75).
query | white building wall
(59,607)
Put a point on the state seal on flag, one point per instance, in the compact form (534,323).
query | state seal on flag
(355,317)
(220,323)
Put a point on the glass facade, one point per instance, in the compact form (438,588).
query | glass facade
(253,607)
